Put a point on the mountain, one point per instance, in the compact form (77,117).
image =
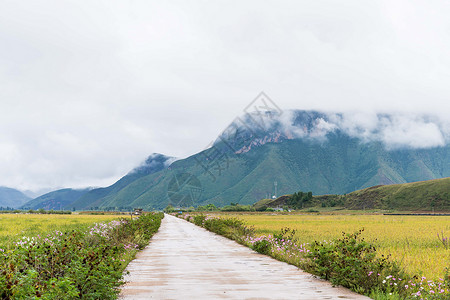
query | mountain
(423,195)
(56,200)
(12,198)
(260,155)
(153,164)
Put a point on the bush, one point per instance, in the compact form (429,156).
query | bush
(262,246)
(351,262)
(199,220)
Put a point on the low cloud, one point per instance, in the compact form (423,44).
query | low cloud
(395,130)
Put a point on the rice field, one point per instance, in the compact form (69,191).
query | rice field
(14,226)
(411,240)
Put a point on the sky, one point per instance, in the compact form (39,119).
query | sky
(89,89)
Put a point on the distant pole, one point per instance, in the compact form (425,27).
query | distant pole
(275,183)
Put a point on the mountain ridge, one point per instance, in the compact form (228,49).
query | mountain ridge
(12,198)
(298,150)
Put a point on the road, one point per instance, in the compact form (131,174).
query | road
(184,261)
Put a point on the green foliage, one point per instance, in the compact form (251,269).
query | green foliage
(237,207)
(208,207)
(262,246)
(298,199)
(74,264)
(351,262)
(169,209)
(286,234)
(199,220)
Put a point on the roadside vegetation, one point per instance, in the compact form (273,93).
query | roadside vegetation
(77,261)
(351,259)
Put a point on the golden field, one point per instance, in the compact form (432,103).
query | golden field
(411,240)
(14,226)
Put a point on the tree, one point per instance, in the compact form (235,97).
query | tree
(169,209)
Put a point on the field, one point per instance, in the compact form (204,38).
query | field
(411,240)
(14,226)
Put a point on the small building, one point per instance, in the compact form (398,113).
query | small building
(138,211)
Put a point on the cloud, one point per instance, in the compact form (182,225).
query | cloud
(88,90)
(415,132)
(395,130)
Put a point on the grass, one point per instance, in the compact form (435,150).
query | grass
(13,226)
(411,240)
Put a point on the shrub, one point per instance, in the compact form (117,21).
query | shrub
(262,246)
(199,220)
(351,262)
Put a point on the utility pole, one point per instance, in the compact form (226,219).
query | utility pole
(275,183)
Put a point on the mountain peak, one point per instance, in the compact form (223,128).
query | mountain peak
(154,163)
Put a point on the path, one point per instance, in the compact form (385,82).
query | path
(184,261)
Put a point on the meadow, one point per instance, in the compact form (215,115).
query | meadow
(14,226)
(411,240)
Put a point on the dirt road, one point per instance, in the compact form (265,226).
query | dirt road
(184,261)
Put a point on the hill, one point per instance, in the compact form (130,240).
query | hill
(12,198)
(424,195)
(430,195)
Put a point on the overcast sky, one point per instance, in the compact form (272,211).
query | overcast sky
(88,89)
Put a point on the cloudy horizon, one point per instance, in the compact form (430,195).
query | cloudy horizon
(89,90)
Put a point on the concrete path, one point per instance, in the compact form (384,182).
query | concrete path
(184,261)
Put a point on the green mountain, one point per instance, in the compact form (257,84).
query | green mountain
(80,198)
(11,197)
(430,195)
(154,163)
(55,200)
(251,160)
(339,165)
